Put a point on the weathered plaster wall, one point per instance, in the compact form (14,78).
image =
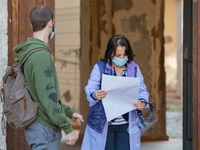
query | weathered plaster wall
(142,22)
(3,57)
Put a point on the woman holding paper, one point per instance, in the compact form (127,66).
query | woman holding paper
(116,134)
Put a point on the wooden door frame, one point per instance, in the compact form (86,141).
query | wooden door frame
(196,75)
(191,75)
(18,31)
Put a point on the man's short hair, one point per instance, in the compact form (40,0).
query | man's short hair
(40,16)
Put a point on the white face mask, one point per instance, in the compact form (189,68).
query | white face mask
(53,31)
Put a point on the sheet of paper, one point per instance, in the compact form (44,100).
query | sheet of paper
(122,93)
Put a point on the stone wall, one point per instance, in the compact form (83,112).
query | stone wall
(3,57)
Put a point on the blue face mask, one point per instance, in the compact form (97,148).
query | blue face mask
(120,62)
(53,31)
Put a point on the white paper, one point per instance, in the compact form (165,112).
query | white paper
(122,93)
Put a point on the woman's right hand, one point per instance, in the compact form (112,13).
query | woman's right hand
(100,94)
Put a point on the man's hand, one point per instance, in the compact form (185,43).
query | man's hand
(72,138)
(77,118)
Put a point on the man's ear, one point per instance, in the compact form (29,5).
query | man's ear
(31,26)
(50,24)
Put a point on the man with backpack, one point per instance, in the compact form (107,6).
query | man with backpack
(41,78)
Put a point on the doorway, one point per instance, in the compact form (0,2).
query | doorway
(173,67)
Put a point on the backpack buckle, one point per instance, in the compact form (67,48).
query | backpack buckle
(3,124)
(2,94)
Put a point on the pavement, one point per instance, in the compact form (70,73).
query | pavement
(173,120)
(172,144)
(174,115)
(174,126)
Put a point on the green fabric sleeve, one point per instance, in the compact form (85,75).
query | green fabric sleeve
(68,111)
(45,78)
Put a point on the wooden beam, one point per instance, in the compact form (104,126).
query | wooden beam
(155,138)
(13,5)
(38,2)
(13,32)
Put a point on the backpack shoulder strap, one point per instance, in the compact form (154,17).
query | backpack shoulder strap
(31,52)
(26,57)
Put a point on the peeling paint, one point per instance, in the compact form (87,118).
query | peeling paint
(153,34)
(134,23)
(113,29)
(101,23)
(122,4)
(143,44)
(67,96)
(162,75)
(153,1)
(105,34)
(142,28)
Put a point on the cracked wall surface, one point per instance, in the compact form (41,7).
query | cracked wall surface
(142,22)
(3,58)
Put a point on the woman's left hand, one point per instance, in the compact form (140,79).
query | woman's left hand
(140,105)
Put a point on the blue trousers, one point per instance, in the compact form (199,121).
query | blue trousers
(41,137)
(117,138)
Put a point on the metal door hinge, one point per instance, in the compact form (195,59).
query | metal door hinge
(189,138)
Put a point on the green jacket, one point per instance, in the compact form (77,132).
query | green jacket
(41,78)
